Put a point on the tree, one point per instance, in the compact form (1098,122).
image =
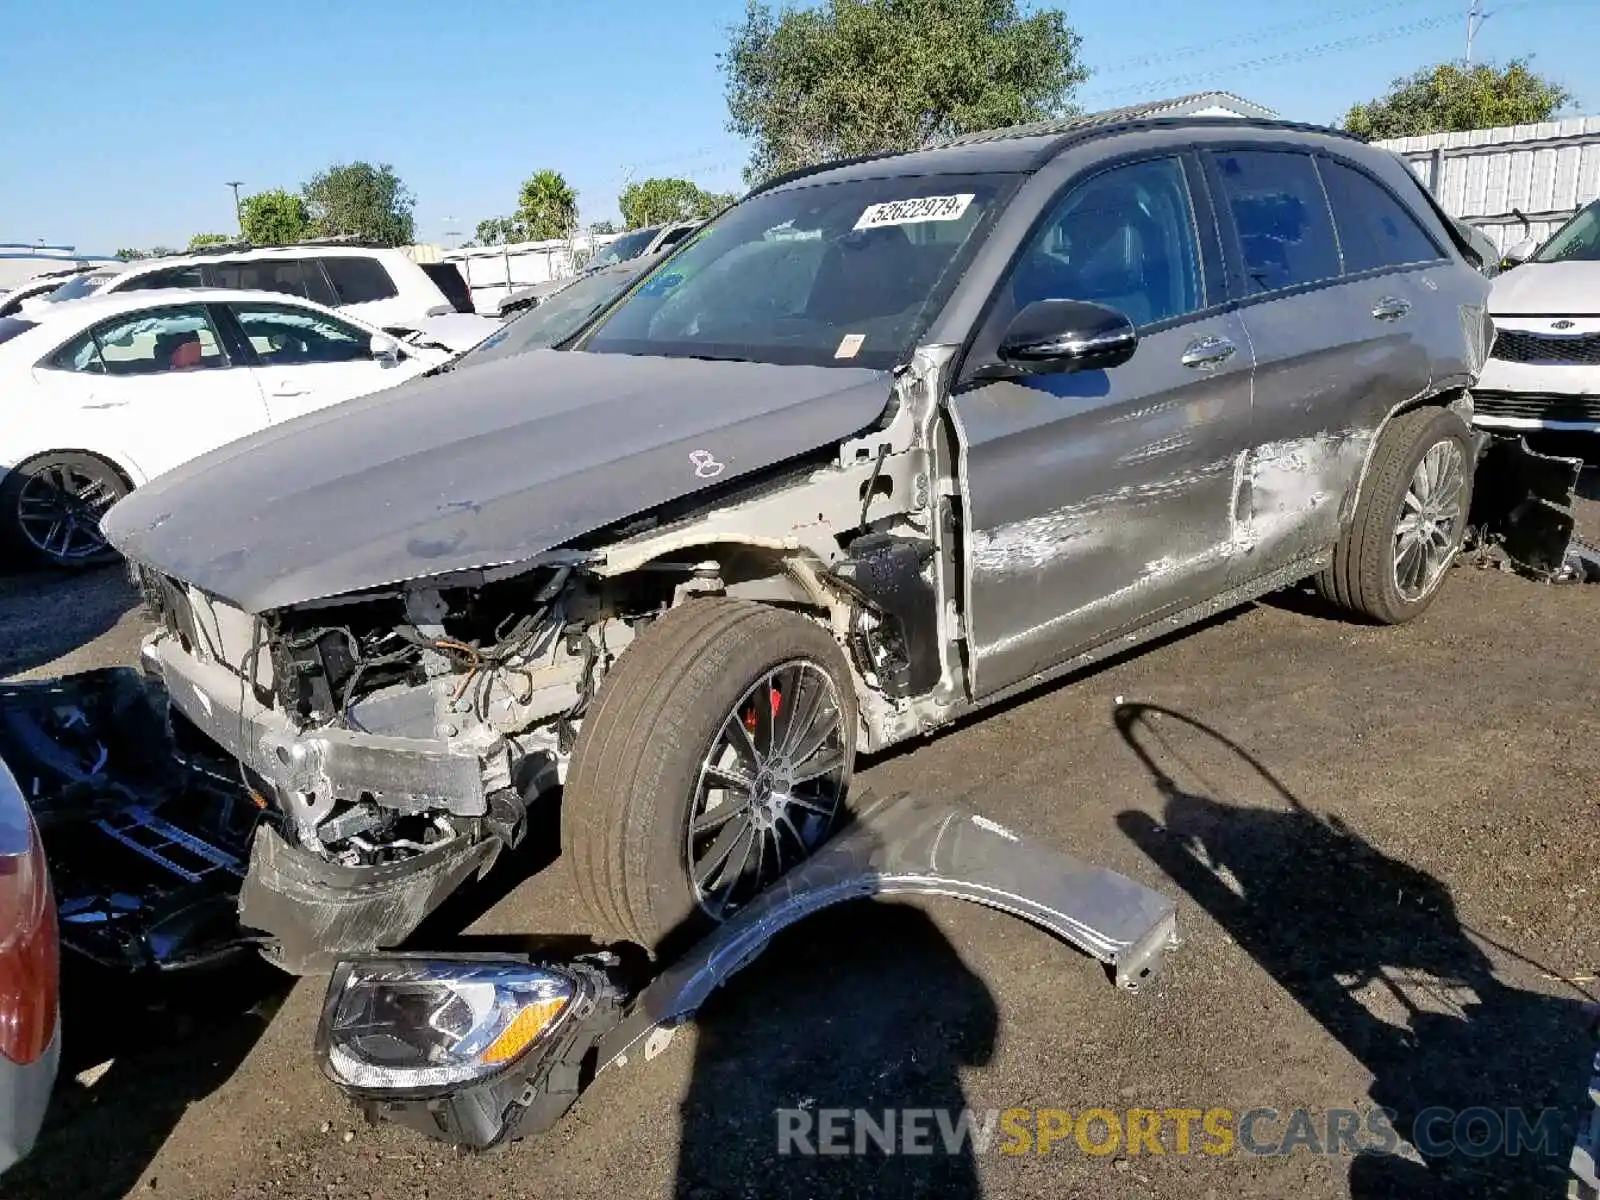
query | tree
(547,207)
(127,255)
(603,227)
(660,201)
(498,231)
(208,239)
(361,200)
(860,76)
(1449,98)
(275,218)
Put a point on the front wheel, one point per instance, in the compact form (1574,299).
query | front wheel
(717,756)
(51,508)
(1409,520)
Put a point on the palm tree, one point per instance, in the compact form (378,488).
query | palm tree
(547,206)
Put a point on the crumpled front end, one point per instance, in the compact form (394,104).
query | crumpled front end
(898,847)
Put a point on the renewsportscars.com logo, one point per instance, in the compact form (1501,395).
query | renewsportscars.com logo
(1437,1132)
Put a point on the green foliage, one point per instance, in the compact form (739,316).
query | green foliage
(127,255)
(208,239)
(498,231)
(1450,98)
(603,227)
(547,207)
(361,200)
(660,201)
(860,76)
(275,218)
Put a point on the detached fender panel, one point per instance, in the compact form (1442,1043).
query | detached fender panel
(906,847)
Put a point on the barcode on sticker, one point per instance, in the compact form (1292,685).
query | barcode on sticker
(911,212)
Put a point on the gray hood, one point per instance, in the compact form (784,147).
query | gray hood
(479,467)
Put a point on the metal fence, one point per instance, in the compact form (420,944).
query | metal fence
(1512,182)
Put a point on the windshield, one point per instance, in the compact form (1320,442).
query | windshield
(629,245)
(554,321)
(80,286)
(1576,241)
(838,274)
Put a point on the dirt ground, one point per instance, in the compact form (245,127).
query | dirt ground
(1383,846)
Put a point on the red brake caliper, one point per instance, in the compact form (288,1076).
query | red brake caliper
(775,699)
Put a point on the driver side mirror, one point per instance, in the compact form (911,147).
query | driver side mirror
(1051,337)
(385,351)
(1515,256)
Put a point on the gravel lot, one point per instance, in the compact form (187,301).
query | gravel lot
(1383,846)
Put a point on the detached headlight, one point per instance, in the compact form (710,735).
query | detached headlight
(417,1025)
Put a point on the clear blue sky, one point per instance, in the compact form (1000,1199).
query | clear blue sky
(123,120)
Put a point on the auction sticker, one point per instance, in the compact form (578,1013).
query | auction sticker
(912,212)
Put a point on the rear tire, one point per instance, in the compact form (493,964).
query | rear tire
(666,743)
(51,507)
(1409,520)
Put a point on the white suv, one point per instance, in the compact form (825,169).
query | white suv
(381,286)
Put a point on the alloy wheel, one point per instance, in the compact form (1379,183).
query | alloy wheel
(1431,519)
(770,786)
(59,509)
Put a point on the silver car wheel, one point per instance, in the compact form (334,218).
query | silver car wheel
(770,786)
(1431,520)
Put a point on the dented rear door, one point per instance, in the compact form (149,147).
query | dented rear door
(1098,500)
(1335,351)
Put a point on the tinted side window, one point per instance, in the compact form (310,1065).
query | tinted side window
(288,276)
(448,279)
(171,277)
(358,280)
(146,343)
(1281,214)
(1124,238)
(1375,229)
(283,336)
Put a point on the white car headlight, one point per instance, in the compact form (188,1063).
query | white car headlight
(409,1025)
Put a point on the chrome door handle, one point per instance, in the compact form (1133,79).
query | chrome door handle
(1391,308)
(1208,353)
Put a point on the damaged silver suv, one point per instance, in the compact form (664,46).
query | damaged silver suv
(887,442)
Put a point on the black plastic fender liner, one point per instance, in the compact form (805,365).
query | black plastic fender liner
(1522,503)
(897,847)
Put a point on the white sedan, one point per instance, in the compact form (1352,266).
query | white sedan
(104,393)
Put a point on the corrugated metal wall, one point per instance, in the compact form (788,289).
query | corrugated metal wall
(1546,171)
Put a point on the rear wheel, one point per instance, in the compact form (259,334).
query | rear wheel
(1409,521)
(51,507)
(717,757)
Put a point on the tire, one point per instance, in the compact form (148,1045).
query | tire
(50,508)
(644,760)
(1369,577)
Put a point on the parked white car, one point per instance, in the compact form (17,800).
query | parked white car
(1544,370)
(104,393)
(378,285)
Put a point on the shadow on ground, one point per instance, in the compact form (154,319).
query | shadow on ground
(865,1006)
(47,614)
(1374,950)
(169,1042)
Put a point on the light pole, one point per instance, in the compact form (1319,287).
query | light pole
(238,213)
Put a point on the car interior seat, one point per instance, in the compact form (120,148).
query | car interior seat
(865,275)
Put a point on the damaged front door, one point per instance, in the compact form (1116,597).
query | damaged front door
(1099,499)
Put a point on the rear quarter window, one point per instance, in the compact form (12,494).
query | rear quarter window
(447,278)
(1375,229)
(359,280)
(11,327)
